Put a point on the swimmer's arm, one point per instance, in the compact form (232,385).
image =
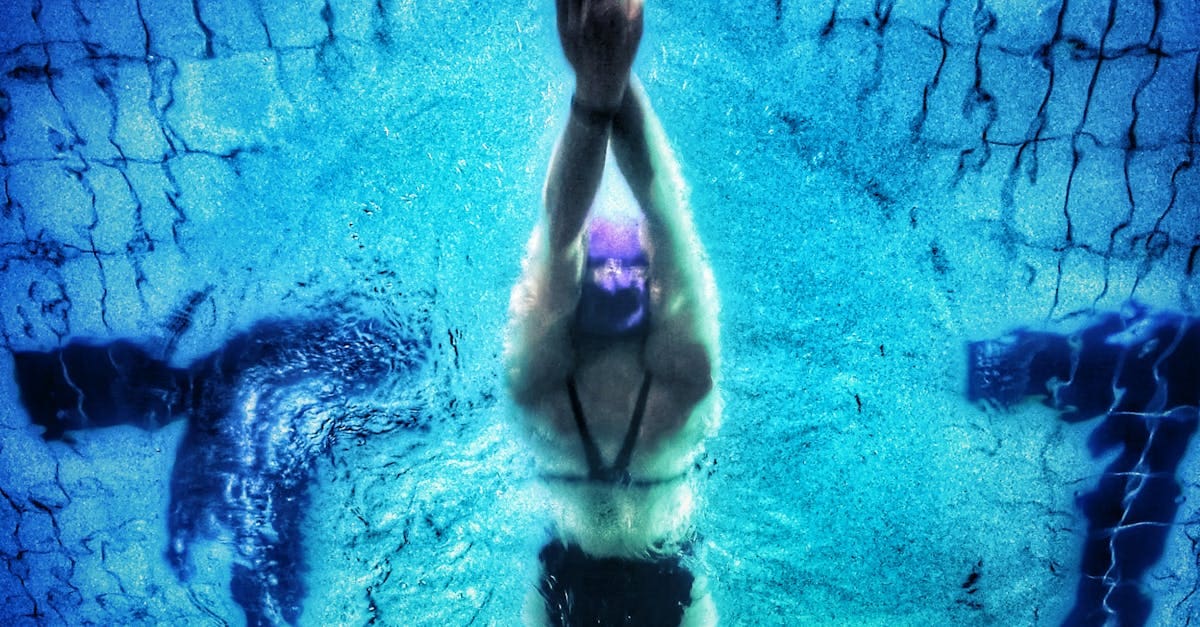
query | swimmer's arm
(683,339)
(599,39)
(537,350)
(542,306)
(574,176)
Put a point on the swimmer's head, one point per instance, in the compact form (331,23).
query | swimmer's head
(614,297)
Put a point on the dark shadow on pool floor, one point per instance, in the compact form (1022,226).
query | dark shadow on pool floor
(260,410)
(1139,370)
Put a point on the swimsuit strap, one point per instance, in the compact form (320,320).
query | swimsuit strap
(621,464)
(618,472)
(595,464)
(626,481)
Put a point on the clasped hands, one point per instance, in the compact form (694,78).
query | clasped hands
(600,39)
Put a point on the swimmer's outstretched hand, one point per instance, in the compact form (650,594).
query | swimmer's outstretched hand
(600,39)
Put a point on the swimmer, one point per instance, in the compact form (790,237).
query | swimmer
(611,349)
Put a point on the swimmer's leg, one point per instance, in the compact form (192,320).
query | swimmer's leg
(702,612)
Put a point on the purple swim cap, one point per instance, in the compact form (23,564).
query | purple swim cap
(614,297)
(608,239)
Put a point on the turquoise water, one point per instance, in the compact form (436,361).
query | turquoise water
(876,183)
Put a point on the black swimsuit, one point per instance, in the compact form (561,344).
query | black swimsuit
(618,472)
(580,589)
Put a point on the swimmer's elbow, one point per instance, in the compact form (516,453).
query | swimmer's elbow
(702,384)
(531,373)
(519,390)
(518,379)
(689,366)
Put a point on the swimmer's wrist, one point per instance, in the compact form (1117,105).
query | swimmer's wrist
(592,114)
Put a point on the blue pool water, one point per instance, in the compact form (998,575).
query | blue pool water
(877,184)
